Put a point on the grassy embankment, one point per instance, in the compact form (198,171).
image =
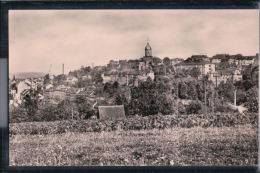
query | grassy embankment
(170,146)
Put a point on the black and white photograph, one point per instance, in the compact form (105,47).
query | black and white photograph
(104,87)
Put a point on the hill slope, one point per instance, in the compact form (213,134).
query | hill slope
(25,75)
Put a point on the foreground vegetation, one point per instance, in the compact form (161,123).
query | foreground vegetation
(175,146)
(136,123)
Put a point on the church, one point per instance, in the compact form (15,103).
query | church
(147,60)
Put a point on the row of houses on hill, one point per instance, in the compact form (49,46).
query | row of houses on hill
(234,59)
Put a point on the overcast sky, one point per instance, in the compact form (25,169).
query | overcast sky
(39,38)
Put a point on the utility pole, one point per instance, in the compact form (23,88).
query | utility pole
(127,79)
(72,113)
(214,100)
(205,97)
(235,97)
(177,98)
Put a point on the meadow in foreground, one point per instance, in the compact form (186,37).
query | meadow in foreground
(174,146)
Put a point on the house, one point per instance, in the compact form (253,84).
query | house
(175,61)
(218,58)
(237,75)
(159,69)
(62,87)
(54,96)
(109,77)
(113,64)
(241,60)
(49,86)
(133,64)
(205,67)
(215,60)
(71,80)
(21,87)
(123,64)
(80,90)
(248,60)
(87,77)
(225,75)
(150,74)
(234,61)
(145,76)
(141,66)
(24,93)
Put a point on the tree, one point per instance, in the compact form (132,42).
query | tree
(252,99)
(226,90)
(58,80)
(65,109)
(224,64)
(46,79)
(82,83)
(156,60)
(182,90)
(31,101)
(241,97)
(115,85)
(195,72)
(150,98)
(98,78)
(48,113)
(166,61)
(83,107)
(191,91)
(194,108)
(200,91)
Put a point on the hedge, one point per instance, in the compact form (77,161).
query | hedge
(135,123)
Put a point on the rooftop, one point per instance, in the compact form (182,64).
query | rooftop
(193,63)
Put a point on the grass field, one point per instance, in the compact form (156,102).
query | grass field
(175,146)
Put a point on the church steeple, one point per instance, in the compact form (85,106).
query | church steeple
(148,50)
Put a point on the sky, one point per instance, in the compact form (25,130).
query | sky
(40,39)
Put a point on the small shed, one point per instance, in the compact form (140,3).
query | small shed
(111,112)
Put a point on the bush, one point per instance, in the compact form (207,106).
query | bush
(136,123)
(193,108)
(18,114)
(48,113)
(252,99)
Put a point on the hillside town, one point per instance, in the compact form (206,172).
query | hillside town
(95,83)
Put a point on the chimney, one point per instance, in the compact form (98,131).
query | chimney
(63,69)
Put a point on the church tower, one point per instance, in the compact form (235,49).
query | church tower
(148,50)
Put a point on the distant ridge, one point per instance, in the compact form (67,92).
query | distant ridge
(24,75)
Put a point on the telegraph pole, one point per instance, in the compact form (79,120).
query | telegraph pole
(205,97)
(72,113)
(177,98)
(214,100)
(235,97)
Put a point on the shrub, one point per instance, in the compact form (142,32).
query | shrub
(48,113)
(18,114)
(193,108)
(136,123)
(252,100)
